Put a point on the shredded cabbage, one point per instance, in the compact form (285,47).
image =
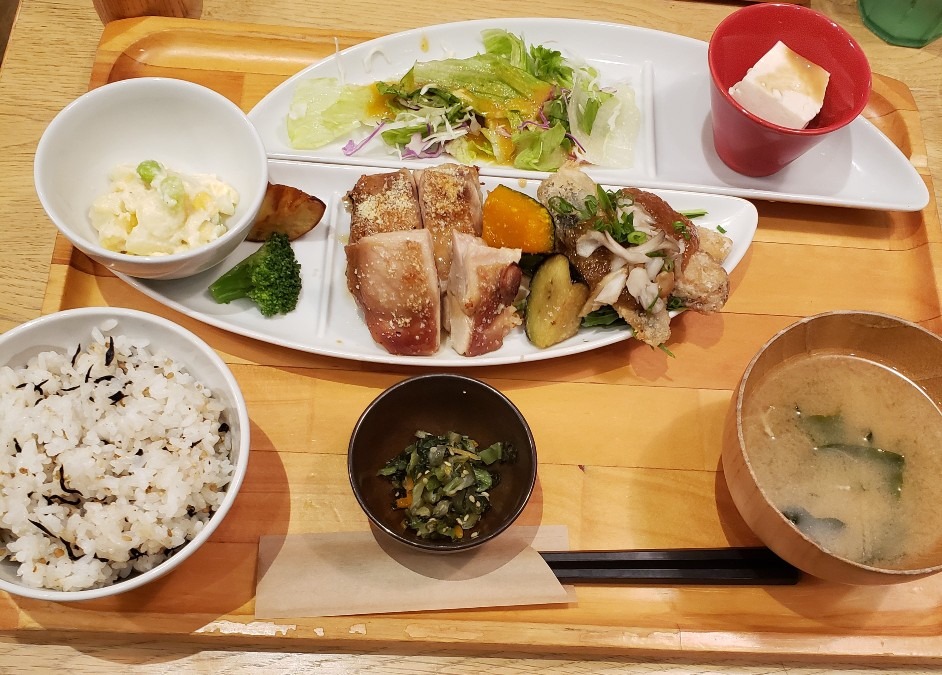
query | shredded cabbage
(606,122)
(513,104)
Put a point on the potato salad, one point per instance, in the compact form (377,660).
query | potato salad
(152,210)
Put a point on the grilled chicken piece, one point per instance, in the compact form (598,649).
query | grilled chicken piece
(450,201)
(482,286)
(639,289)
(385,202)
(392,275)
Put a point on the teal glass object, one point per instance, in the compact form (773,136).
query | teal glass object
(908,23)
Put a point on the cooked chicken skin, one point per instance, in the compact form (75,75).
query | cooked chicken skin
(384,202)
(392,275)
(449,201)
(482,286)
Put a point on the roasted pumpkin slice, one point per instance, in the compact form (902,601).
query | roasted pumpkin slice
(515,220)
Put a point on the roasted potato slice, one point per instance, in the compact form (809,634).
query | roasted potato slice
(288,210)
(554,303)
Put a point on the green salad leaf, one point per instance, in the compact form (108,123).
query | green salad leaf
(540,149)
(514,104)
(322,110)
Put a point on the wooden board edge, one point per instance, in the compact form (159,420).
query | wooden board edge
(350,634)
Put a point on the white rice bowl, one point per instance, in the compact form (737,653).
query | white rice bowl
(123,442)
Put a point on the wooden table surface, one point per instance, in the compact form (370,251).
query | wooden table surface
(48,63)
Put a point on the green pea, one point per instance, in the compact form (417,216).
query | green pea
(148,170)
(172,191)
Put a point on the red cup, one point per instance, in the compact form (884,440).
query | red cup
(745,142)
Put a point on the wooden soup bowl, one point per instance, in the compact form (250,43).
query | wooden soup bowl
(911,350)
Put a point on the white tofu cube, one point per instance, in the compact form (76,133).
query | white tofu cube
(783,88)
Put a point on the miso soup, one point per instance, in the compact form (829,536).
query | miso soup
(850,451)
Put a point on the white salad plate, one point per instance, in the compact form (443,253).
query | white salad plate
(857,166)
(328,321)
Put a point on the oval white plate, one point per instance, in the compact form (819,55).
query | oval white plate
(327,320)
(855,167)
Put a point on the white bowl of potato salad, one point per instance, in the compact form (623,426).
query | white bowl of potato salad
(152,177)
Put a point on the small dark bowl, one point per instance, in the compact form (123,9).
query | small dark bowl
(438,403)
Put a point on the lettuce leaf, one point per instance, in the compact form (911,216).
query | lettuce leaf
(541,149)
(487,83)
(549,65)
(542,62)
(323,110)
(470,149)
(506,45)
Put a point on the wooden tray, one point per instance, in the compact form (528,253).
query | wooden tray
(629,438)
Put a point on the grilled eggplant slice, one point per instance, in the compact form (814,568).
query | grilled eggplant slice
(554,304)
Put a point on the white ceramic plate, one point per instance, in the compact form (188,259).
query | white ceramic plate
(855,167)
(327,320)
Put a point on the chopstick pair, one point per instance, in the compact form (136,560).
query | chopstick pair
(757,566)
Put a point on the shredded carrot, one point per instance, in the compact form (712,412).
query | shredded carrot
(404,502)
(459,533)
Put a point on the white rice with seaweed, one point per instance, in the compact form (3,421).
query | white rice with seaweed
(111,460)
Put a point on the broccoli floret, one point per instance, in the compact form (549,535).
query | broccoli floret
(270,277)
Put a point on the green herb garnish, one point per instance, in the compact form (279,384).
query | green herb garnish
(681,228)
(603,316)
(605,211)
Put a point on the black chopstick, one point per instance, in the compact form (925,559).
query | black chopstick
(714,566)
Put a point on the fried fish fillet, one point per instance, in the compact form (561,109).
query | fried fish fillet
(679,268)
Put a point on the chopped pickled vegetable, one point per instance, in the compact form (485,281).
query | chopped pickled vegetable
(442,483)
